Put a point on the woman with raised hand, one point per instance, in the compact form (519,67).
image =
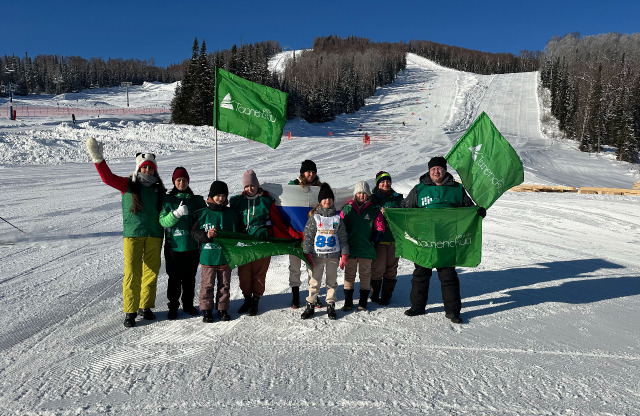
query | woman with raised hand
(141,204)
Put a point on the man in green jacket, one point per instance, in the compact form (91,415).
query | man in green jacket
(437,189)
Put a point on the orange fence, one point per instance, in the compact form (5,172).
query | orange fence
(34,111)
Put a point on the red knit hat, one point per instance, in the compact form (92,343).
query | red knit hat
(179,172)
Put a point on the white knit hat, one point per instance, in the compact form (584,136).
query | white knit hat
(143,159)
(361,186)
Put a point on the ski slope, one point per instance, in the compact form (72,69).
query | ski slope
(548,314)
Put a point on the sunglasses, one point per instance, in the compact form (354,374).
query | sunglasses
(144,155)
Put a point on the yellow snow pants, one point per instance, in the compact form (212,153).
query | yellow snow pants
(142,257)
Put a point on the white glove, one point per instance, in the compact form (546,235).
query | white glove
(95,150)
(181,210)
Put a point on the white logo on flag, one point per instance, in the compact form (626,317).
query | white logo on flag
(226,102)
(475,151)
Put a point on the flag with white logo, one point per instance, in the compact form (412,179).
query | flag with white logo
(241,249)
(437,237)
(486,162)
(250,110)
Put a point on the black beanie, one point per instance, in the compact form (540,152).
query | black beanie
(217,188)
(308,165)
(382,175)
(325,192)
(438,161)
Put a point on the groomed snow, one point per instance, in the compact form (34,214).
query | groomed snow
(549,314)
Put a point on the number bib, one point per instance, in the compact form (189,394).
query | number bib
(326,240)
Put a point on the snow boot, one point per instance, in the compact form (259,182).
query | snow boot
(364,297)
(331,310)
(130,320)
(295,297)
(308,311)
(348,300)
(456,319)
(172,314)
(387,290)
(246,305)
(253,309)
(190,310)
(375,290)
(207,316)
(414,311)
(224,316)
(147,314)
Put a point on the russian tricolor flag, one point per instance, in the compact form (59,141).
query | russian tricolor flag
(295,202)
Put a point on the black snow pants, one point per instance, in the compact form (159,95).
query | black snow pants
(181,267)
(449,283)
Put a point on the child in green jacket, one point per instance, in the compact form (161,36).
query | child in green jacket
(180,249)
(365,227)
(215,216)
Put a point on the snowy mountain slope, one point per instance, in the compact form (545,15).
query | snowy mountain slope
(548,313)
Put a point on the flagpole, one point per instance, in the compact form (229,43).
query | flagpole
(215,130)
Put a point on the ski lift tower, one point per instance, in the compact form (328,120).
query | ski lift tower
(9,89)
(126,84)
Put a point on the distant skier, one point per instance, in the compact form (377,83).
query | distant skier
(73,118)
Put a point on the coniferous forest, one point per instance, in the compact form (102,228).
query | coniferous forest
(594,81)
(595,90)
(53,74)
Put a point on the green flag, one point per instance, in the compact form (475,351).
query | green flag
(250,110)
(241,249)
(437,237)
(486,162)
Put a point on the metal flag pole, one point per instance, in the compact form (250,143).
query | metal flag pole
(215,129)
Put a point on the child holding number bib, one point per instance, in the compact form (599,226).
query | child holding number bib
(326,247)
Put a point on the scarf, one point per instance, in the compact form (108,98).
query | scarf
(146,180)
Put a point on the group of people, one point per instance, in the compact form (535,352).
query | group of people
(355,239)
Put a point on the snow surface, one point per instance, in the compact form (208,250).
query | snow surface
(550,314)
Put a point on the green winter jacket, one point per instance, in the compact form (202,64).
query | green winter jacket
(360,227)
(392,200)
(220,217)
(450,196)
(178,230)
(427,194)
(146,222)
(254,211)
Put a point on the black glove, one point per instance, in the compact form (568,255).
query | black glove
(482,212)
(377,237)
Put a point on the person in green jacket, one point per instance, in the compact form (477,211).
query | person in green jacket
(365,227)
(384,268)
(181,254)
(261,218)
(141,203)
(308,177)
(437,189)
(215,269)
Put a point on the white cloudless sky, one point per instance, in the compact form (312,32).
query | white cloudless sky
(164,30)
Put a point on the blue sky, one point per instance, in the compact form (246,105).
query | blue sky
(164,30)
